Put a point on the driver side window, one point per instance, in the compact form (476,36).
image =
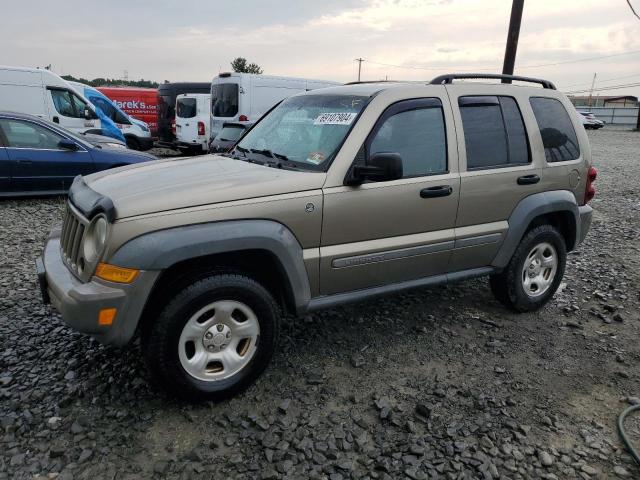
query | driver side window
(67,103)
(415,130)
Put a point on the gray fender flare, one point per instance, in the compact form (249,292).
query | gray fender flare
(163,248)
(530,208)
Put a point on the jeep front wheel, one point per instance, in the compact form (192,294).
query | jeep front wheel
(214,338)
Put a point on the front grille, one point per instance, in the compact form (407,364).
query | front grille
(71,240)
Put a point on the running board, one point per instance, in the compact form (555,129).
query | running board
(329,301)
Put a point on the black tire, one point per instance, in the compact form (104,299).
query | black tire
(132,143)
(160,341)
(507,286)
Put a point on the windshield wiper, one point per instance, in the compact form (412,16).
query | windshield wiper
(245,158)
(265,152)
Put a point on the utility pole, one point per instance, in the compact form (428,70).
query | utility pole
(359,60)
(593,83)
(512,38)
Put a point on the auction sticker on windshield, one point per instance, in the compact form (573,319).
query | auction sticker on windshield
(338,118)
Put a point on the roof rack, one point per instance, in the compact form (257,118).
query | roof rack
(450,77)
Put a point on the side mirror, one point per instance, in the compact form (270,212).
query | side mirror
(88,114)
(66,144)
(381,167)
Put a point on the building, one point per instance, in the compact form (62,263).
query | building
(604,101)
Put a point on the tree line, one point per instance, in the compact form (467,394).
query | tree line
(239,65)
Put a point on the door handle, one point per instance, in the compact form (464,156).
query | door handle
(528,179)
(25,162)
(56,120)
(434,192)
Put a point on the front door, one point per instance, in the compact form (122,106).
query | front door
(380,233)
(38,164)
(68,110)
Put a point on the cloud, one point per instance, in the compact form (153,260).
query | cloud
(192,40)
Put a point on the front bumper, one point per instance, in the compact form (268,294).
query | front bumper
(586,214)
(185,146)
(80,303)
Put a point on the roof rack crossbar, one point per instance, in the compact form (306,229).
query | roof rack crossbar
(450,77)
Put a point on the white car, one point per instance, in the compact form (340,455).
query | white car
(589,120)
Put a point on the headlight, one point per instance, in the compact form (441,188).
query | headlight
(94,239)
(144,127)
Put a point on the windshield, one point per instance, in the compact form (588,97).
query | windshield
(306,129)
(230,133)
(224,100)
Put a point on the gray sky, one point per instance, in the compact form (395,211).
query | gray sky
(193,40)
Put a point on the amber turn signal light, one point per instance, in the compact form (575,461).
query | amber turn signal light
(112,273)
(106,316)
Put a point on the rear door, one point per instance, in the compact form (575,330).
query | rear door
(37,163)
(497,169)
(186,119)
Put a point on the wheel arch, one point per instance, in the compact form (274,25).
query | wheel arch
(262,249)
(558,208)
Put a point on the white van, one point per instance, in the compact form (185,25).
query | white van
(44,94)
(115,122)
(245,97)
(192,122)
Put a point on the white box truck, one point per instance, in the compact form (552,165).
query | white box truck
(46,95)
(245,97)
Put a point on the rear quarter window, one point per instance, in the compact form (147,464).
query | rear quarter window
(557,132)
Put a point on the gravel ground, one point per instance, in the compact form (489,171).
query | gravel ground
(440,383)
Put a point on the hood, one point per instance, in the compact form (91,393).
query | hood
(140,123)
(170,184)
(101,140)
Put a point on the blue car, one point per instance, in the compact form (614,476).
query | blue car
(38,157)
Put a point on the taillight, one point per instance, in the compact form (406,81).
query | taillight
(173,127)
(200,128)
(590,190)
(243,118)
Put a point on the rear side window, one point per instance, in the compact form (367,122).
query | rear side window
(186,108)
(414,129)
(557,132)
(494,132)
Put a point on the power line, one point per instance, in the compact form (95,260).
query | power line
(603,89)
(581,60)
(601,81)
(632,9)
(417,67)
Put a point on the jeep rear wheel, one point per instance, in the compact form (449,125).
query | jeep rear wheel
(534,271)
(214,338)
